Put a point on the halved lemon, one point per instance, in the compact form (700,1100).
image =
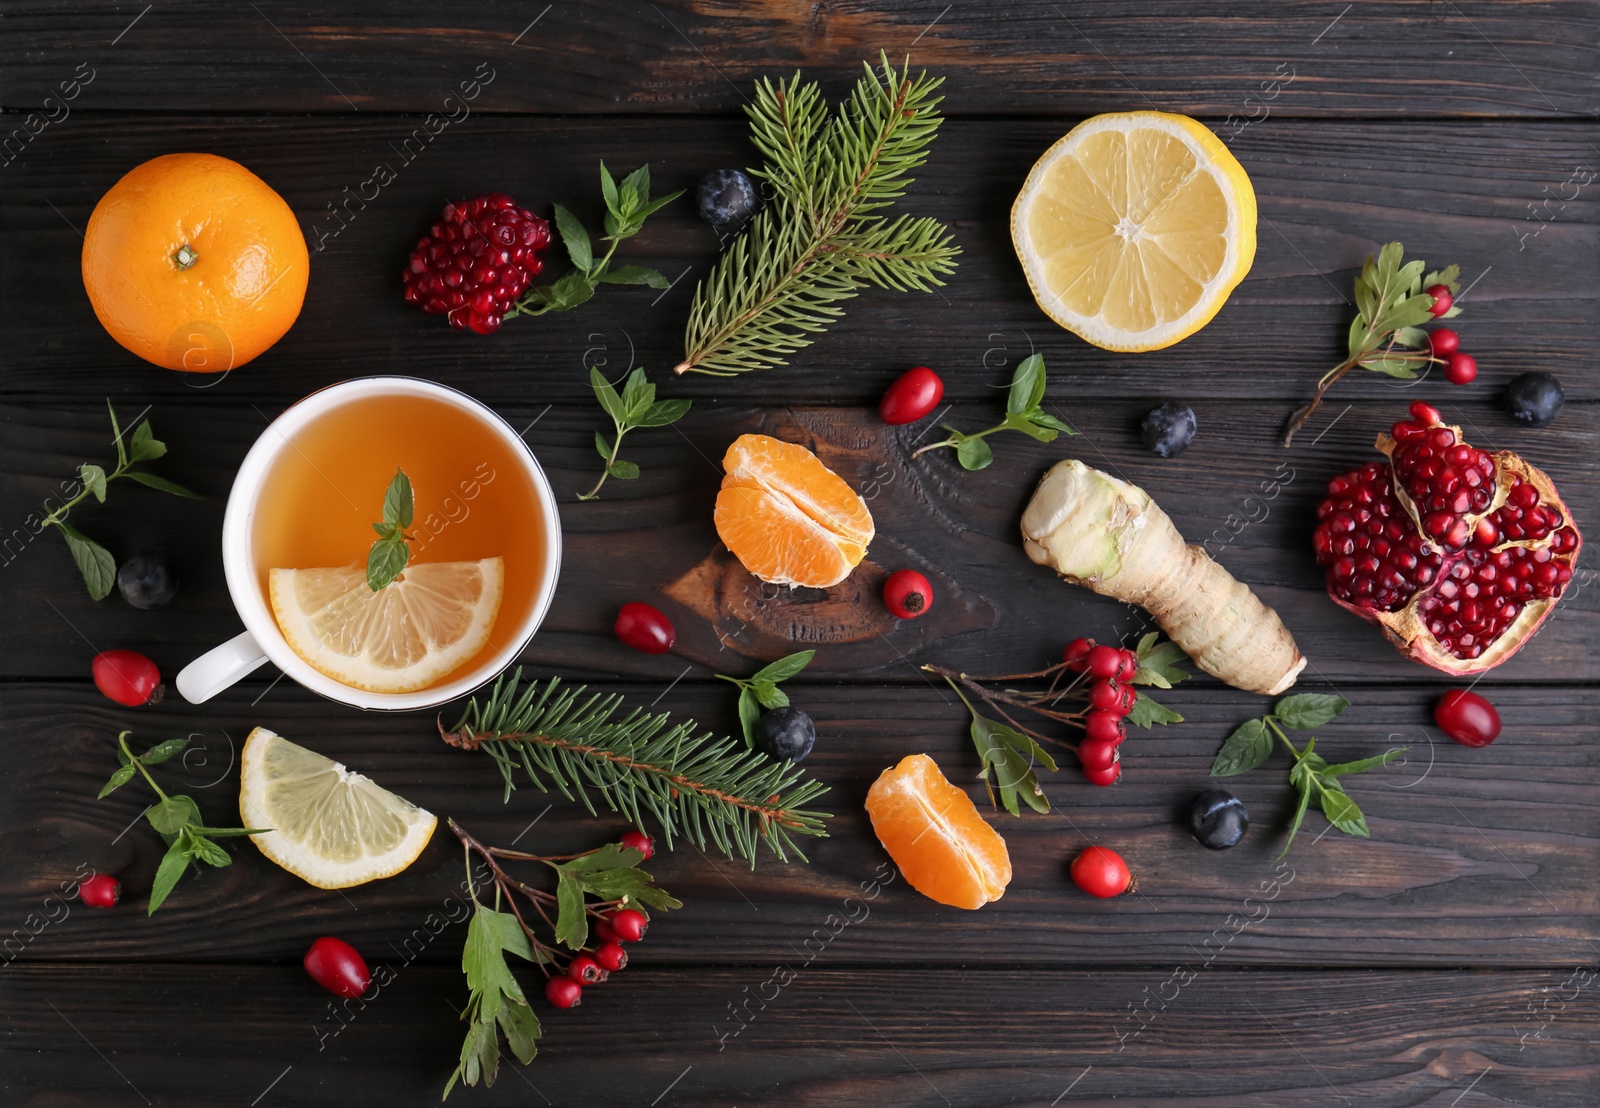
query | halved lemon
(404,637)
(330,827)
(1134,228)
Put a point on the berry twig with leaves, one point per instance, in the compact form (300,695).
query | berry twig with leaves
(760,690)
(177,818)
(496,1002)
(1386,336)
(1251,744)
(635,406)
(1023,413)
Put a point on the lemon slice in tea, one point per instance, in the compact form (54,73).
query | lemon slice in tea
(407,635)
(330,827)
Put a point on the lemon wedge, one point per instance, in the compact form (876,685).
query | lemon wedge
(330,827)
(1134,228)
(407,635)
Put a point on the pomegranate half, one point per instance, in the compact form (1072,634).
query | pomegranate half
(1459,554)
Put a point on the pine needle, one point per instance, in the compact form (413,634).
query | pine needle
(700,787)
(816,242)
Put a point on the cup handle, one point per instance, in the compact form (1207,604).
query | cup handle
(220,667)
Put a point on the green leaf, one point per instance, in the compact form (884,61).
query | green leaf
(143,445)
(1244,750)
(173,863)
(623,470)
(1146,712)
(161,484)
(386,561)
(483,961)
(572,922)
(508,933)
(608,189)
(567,293)
(769,695)
(974,454)
(162,751)
(784,668)
(637,395)
(634,275)
(1411,312)
(1389,263)
(1359,337)
(228,832)
(602,446)
(1299,816)
(637,184)
(655,206)
(1027,385)
(1027,426)
(1366,302)
(663,412)
(522,1031)
(1158,665)
(574,238)
(120,778)
(1343,813)
(1345,769)
(608,396)
(1045,419)
(94,561)
(398,503)
(94,479)
(749,712)
(173,814)
(208,851)
(1408,279)
(116,436)
(1455,310)
(1305,711)
(1010,756)
(1390,367)
(1449,277)
(1414,337)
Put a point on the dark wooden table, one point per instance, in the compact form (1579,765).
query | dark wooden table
(1441,962)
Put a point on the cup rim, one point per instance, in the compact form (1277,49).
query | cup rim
(244,586)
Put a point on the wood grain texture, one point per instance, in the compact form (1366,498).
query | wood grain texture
(1071,57)
(1500,199)
(1482,857)
(957,1036)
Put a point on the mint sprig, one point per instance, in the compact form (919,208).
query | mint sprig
(635,406)
(1315,778)
(177,818)
(760,690)
(391,551)
(1023,413)
(1386,336)
(628,205)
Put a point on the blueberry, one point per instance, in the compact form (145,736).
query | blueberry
(727,198)
(785,734)
(147,581)
(1535,399)
(1168,430)
(1218,819)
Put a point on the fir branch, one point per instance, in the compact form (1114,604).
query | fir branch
(816,243)
(698,786)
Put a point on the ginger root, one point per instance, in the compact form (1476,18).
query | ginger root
(1099,531)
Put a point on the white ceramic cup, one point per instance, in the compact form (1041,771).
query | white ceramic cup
(261,640)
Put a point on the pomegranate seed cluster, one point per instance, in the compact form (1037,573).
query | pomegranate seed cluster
(1469,575)
(476,261)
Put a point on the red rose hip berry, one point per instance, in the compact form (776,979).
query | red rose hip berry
(127,677)
(916,393)
(586,970)
(1097,754)
(100,891)
(1441,299)
(907,594)
(1467,718)
(638,840)
(1105,662)
(629,925)
(645,628)
(1076,654)
(611,957)
(563,992)
(1108,776)
(338,967)
(1101,872)
(1443,342)
(1460,369)
(1101,725)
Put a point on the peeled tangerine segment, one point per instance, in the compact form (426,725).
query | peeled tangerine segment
(935,835)
(788,518)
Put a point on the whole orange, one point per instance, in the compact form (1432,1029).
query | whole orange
(194,263)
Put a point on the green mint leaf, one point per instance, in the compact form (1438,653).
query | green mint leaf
(637,395)
(623,470)
(784,668)
(1345,769)
(607,394)
(522,1031)
(1027,385)
(662,412)
(386,530)
(161,484)
(228,832)
(173,814)
(1244,750)
(574,238)
(1024,423)
(173,863)
(1045,419)
(123,775)
(656,205)
(209,852)
(608,189)
(602,446)
(116,434)
(398,503)
(94,479)
(1343,813)
(162,751)
(1010,756)
(749,712)
(143,446)
(634,275)
(94,561)
(1299,816)
(1305,711)
(1147,712)
(637,186)
(974,454)
(769,695)
(386,561)
(572,922)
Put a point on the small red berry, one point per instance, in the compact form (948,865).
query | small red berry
(1076,655)
(586,970)
(629,925)
(1441,299)
(1108,776)
(611,957)
(638,840)
(1461,368)
(907,594)
(1104,726)
(1105,695)
(127,677)
(563,992)
(916,393)
(1128,665)
(338,967)
(1130,697)
(1097,754)
(1101,872)
(604,932)
(100,891)
(1467,718)
(1443,342)
(645,628)
(1104,662)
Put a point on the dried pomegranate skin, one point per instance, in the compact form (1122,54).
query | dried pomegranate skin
(1459,554)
